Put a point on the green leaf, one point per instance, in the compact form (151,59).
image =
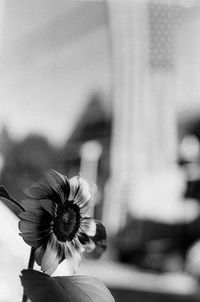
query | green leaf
(40,287)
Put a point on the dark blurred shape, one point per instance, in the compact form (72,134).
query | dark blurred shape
(155,245)
(100,240)
(25,162)
(94,124)
(194,127)
(193,189)
(139,295)
(189,131)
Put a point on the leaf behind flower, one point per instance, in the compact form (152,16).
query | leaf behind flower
(40,287)
(4,194)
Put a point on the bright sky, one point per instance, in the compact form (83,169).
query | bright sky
(53,57)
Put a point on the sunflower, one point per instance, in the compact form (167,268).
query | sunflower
(55,221)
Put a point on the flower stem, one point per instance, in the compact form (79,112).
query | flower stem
(30,266)
(31,258)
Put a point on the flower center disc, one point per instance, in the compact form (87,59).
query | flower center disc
(67,222)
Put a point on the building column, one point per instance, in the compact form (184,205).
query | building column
(144,120)
(128,31)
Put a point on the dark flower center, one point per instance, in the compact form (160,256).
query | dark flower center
(67,222)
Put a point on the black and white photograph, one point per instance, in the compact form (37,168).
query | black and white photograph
(99,150)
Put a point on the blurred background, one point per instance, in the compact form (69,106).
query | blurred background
(109,89)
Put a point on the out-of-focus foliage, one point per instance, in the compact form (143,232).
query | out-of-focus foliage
(24,162)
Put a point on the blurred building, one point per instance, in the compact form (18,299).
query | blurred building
(87,151)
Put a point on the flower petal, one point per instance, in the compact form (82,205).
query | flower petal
(83,194)
(73,262)
(39,236)
(99,239)
(89,246)
(39,253)
(49,206)
(51,257)
(28,226)
(88,226)
(54,186)
(69,250)
(38,217)
(53,266)
(86,242)
(74,186)
(85,208)
(89,202)
(30,204)
(35,239)
(59,183)
(100,231)
(32,243)
(77,245)
(38,191)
